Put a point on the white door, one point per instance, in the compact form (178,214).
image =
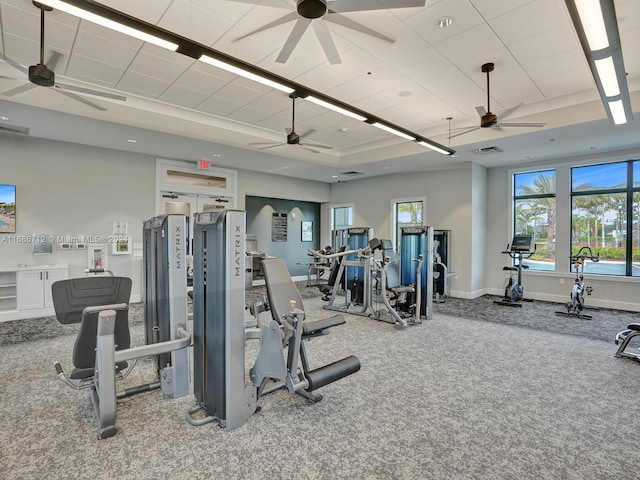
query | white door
(30,289)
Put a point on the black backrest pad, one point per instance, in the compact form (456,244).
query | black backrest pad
(72,296)
(280,288)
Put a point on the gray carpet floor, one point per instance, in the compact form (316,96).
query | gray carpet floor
(458,397)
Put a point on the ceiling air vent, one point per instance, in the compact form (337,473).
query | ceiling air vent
(487,150)
(351,174)
(14,129)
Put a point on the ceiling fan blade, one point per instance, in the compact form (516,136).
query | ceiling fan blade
(88,91)
(481,111)
(326,42)
(16,65)
(78,98)
(315,145)
(288,130)
(465,132)
(299,28)
(53,60)
(18,90)
(282,20)
(509,111)
(358,27)
(367,5)
(306,134)
(536,125)
(272,146)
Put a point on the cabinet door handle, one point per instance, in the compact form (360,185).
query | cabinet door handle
(40,275)
(47,275)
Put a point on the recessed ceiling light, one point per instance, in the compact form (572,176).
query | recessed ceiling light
(217,155)
(334,176)
(4,119)
(444,22)
(386,168)
(131,140)
(344,129)
(405,93)
(285,168)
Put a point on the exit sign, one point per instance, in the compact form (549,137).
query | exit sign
(203,164)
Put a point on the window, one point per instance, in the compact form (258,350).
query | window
(341,217)
(407,213)
(534,210)
(605,200)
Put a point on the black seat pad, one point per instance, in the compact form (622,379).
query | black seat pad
(311,328)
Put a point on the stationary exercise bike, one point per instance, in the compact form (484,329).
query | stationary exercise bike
(519,250)
(576,305)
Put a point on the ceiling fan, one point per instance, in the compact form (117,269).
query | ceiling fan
(292,137)
(43,75)
(314,13)
(490,120)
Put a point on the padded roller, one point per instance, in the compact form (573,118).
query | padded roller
(330,373)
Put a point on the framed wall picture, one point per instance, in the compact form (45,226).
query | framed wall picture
(307,231)
(121,246)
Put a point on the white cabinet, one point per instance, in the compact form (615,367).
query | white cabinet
(34,286)
(25,292)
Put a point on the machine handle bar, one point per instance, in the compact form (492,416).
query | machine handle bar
(582,256)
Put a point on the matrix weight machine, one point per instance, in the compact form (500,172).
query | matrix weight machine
(519,250)
(576,305)
(414,242)
(220,386)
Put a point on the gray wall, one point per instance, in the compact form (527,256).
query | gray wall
(68,189)
(449,206)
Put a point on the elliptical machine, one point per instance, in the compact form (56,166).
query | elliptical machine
(519,250)
(576,305)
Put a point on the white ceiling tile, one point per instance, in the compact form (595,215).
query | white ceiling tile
(156,67)
(93,71)
(628,14)
(143,85)
(218,105)
(182,96)
(490,8)
(200,81)
(148,10)
(194,22)
(530,19)
(464,18)
(469,44)
(545,44)
(241,94)
(102,50)
(561,74)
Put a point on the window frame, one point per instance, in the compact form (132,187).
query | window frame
(394,215)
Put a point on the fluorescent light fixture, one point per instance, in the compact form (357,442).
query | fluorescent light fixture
(593,23)
(400,134)
(617,112)
(244,73)
(105,22)
(335,108)
(434,148)
(608,77)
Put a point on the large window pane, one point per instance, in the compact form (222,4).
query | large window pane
(635,236)
(599,177)
(342,217)
(636,173)
(535,214)
(407,214)
(599,222)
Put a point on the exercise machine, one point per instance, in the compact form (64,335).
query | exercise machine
(441,260)
(624,342)
(165,274)
(356,275)
(519,250)
(221,391)
(576,305)
(416,241)
(102,350)
(400,301)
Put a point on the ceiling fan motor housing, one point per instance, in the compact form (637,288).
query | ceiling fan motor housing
(312,8)
(41,75)
(489,119)
(293,138)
